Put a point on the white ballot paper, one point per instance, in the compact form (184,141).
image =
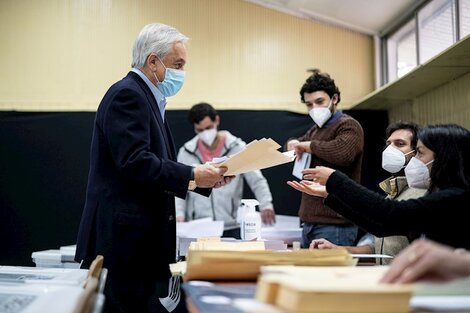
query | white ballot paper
(203,227)
(257,155)
(301,164)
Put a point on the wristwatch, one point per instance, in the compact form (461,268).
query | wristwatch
(192,182)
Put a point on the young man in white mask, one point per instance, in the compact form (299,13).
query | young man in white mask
(402,138)
(401,148)
(335,140)
(210,143)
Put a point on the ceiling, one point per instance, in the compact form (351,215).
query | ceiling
(372,17)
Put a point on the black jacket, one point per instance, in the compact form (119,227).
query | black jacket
(440,216)
(129,214)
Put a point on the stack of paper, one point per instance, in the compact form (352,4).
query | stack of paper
(33,298)
(257,155)
(442,296)
(215,244)
(59,258)
(286,228)
(245,265)
(38,275)
(331,289)
(190,231)
(202,227)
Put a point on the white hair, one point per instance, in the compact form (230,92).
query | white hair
(154,38)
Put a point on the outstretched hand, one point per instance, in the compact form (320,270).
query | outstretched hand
(309,187)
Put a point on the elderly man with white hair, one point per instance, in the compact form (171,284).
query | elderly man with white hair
(134,177)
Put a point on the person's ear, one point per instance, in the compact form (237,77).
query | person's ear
(217,121)
(152,61)
(334,99)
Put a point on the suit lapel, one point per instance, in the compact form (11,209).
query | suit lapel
(156,112)
(170,141)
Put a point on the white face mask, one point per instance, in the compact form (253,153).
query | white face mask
(320,115)
(208,136)
(417,174)
(393,160)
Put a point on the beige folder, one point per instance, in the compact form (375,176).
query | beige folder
(331,290)
(257,155)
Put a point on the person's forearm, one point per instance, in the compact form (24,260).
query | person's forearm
(360,249)
(368,209)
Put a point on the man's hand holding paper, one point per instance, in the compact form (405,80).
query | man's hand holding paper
(209,176)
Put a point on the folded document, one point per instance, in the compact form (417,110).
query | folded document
(257,155)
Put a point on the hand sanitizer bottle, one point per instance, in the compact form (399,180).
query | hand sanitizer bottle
(251,221)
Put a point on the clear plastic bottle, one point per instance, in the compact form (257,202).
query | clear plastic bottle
(251,220)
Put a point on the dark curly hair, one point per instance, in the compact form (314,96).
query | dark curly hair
(199,111)
(412,127)
(319,81)
(451,146)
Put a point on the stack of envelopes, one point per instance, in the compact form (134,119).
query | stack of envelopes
(331,290)
(257,155)
(245,265)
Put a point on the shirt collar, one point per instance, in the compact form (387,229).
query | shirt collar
(393,186)
(157,94)
(335,116)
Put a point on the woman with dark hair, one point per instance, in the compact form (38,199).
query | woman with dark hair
(441,165)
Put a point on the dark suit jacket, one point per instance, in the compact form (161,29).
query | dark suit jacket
(129,214)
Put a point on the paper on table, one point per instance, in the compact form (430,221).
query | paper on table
(286,228)
(441,303)
(200,228)
(284,221)
(33,298)
(39,275)
(257,155)
(442,296)
(301,164)
(371,256)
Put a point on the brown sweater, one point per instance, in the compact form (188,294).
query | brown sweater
(339,146)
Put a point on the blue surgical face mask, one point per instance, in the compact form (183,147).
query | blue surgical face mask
(173,81)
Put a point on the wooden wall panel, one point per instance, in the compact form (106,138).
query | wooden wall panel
(62,55)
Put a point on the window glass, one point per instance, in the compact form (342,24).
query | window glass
(464,18)
(401,51)
(436,28)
